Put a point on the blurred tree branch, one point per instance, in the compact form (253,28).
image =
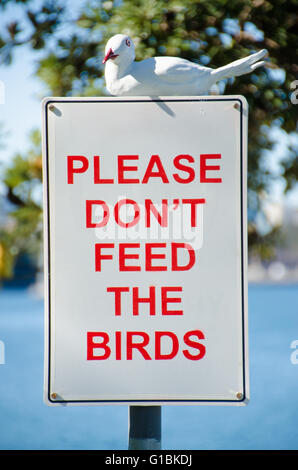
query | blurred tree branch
(211,32)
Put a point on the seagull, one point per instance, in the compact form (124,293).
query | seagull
(165,76)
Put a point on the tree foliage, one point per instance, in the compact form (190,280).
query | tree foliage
(22,231)
(210,32)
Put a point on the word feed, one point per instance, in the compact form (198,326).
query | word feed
(140,300)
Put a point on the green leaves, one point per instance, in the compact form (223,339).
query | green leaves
(211,32)
(22,231)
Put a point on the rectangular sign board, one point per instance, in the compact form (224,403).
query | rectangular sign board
(145,250)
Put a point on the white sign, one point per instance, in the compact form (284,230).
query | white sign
(145,250)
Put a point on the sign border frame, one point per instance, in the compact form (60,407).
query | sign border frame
(242,106)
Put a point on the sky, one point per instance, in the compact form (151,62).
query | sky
(21,110)
(21,92)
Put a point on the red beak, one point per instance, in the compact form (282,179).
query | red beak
(110,55)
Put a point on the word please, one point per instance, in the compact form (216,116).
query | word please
(128,171)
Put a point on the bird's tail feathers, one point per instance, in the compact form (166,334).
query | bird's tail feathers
(240,67)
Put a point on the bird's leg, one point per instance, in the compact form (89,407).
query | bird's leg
(239,67)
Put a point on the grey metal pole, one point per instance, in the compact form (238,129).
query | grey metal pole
(144,428)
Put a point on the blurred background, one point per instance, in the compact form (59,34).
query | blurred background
(55,48)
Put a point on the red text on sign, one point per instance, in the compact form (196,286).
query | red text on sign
(128,171)
(151,211)
(163,345)
(149,301)
(155,256)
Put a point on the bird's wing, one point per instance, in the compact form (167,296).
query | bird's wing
(176,70)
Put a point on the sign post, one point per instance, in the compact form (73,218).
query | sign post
(145,251)
(144,428)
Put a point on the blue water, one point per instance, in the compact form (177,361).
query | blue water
(268,422)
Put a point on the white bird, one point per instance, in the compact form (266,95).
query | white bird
(164,76)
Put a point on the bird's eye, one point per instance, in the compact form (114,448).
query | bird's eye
(127,42)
